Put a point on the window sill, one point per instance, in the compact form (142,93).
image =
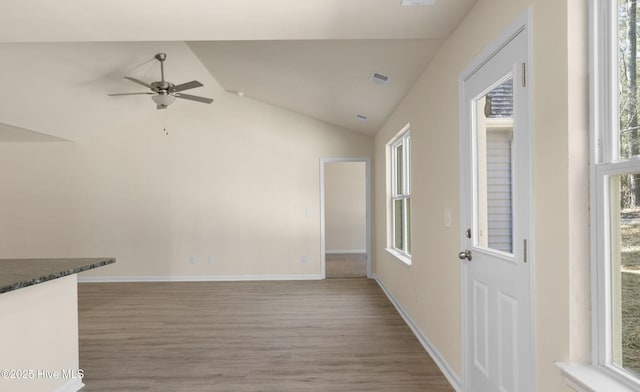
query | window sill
(590,378)
(400,256)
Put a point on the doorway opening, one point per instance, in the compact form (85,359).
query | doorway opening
(345,212)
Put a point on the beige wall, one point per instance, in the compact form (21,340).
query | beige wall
(237,180)
(35,208)
(345,206)
(430,289)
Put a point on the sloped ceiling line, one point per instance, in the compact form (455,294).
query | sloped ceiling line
(311,57)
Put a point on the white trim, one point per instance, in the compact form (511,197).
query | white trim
(400,134)
(72,385)
(403,140)
(595,87)
(444,367)
(369,217)
(194,278)
(339,252)
(519,25)
(589,378)
(400,256)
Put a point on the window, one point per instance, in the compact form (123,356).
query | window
(401,196)
(616,188)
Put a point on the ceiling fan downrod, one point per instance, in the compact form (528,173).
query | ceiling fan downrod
(161,57)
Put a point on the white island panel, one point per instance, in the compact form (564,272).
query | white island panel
(39,337)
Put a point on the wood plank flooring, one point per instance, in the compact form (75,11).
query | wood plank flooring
(331,335)
(346,265)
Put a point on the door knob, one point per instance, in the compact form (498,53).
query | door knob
(465,254)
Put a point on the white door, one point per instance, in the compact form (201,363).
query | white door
(495,175)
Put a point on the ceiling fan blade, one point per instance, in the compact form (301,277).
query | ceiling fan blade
(194,98)
(134,80)
(187,86)
(117,94)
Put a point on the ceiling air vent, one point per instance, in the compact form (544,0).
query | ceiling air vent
(361,117)
(379,78)
(417,2)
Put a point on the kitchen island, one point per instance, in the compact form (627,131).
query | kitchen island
(39,323)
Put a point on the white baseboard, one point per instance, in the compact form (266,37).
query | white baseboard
(451,376)
(193,278)
(337,252)
(72,385)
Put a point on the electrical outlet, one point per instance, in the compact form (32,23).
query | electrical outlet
(304,259)
(210,260)
(193,259)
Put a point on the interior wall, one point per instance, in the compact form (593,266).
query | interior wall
(429,290)
(231,191)
(345,207)
(35,202)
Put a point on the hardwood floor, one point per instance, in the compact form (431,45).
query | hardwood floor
(346,265)
(331,335)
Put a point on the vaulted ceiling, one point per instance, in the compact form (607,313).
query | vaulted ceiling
(312,57)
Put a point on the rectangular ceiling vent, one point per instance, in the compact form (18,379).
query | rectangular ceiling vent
(361,117)
(379,78)
(417,2)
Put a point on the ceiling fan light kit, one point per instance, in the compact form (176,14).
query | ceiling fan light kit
(164,93)
(163,100)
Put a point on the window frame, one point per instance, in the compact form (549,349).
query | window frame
(605,162)
(403,140)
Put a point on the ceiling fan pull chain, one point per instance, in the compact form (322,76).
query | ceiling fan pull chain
(166,122)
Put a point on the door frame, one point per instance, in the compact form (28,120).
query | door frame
(521,25)
(368,223)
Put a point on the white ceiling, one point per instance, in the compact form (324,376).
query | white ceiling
(313,57)
(324,79)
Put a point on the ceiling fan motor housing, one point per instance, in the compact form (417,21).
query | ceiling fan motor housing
(162,86)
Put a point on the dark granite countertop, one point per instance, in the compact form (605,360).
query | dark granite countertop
(19,273)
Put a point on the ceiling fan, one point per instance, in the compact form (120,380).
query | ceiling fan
(164,93)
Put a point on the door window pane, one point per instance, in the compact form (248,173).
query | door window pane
(494,137)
